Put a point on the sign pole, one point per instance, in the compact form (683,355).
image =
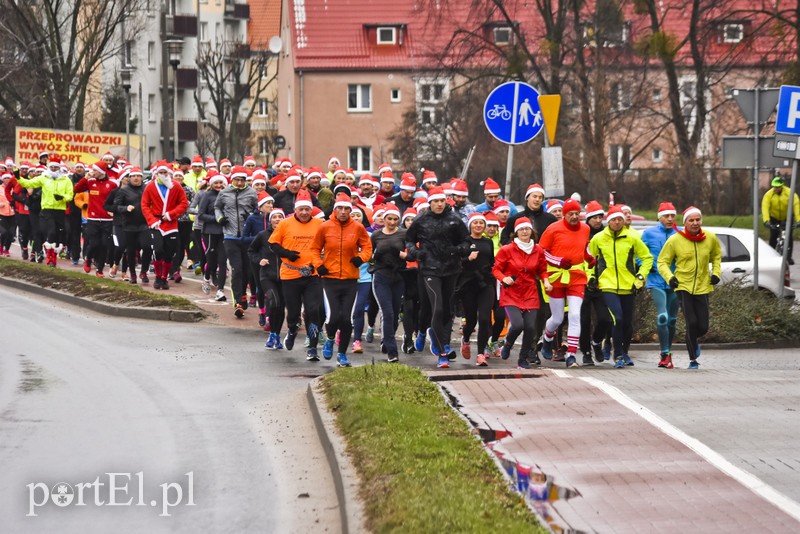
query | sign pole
(789,214)
(757,133)
(509,165)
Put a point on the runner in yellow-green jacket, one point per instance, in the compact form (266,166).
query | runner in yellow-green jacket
(692,250)
(616,274)
(775,210)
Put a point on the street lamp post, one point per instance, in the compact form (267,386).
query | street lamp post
(175,46)
(125,75)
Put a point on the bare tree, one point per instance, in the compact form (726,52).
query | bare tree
(235,76)
(59,44)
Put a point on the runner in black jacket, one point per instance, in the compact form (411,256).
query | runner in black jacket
(128,205)
(269,279)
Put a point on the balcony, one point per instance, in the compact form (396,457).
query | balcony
(187,130)
(236,50)
(236,11)
(178,25)
(187,79)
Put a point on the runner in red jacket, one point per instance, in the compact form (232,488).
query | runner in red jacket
(97,233)
(162,204)
(565,245)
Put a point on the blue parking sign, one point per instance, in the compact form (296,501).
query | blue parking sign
(512,113)
(788,118)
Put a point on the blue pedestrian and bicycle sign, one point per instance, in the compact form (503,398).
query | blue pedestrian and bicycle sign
(788,118)
(512,113)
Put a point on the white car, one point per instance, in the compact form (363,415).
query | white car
(737,261)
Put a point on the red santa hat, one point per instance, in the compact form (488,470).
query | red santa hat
(9,162)
(286,163)
(666,208)
(378,210)
(216,178)
(476,216)
(332,160)
(459,187)
(614,212)
(102,167)
(249,159)
(490,187)
(224,161)
(210,163)
(55,159)
(625,207)
(259,176)
(27,165)
(368,179)
(391,209)
(343,200)
(197,160)
(43,154)
(175,172)
(408,182)
(502,205)
(317,213)
(264,197)
(350,173)
(571,205)
(292,177)
(410,212)
(108,155)
(553,204)
(429,177)
(522,222)
(303,199)
(436,193)
(135,170)
(276,211)
(691,210)
(238,172)
(491,218)
(421,202)
(314,172)
(593,208)
(384,168)
(534,188)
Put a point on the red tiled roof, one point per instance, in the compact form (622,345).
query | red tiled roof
(340,34)
(264,23)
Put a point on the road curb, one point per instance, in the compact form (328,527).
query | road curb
(157,314)
(344,474)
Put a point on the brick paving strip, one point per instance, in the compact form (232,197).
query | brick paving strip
(630,470)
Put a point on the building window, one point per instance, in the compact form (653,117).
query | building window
(204,31)
(127,53)
(360,158)
(620,97)
(658,155)
(151,55)
(732,33)
(151,153)
(151,107)
(656,95)
(358,97)
(395,95)
(387,36)
(431,92)
(263,107)
(502,36)
(263,145)
(619,157)
(428,116)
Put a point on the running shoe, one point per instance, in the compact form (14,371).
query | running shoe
(451,354)
(419,343)
(288,341)
(112,273)
(132,280)
(198,269)
(370,337)
(157,283)
(253,300)
(270,344)
(220,297)
(164,283)
(245,303)
(666,361)
(534,359)
(311,355)
(505,352)
(628,360)
(443,363)
(571,361)
(435,351)
(384,348)
(327,349)
(408,345)
(547,349)
(99,274)
(466,351)
(694,364)
(87,266)
(523,363)
(393,358)
(587,360)
(490,348)
(144,278)
(606,350)
(597,349)
(481,360)
(342,360)
(262,319)
(357,349)
(238,311)
(177,277)
(619,363)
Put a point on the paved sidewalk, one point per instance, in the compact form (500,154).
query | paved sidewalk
(619,472)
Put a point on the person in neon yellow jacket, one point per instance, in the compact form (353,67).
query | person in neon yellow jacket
(617,251)
(692,250)
(774,210)
(57,192)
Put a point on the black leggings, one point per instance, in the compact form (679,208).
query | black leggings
(216,259)
(53,226)
(98,241)
(274,301)
(24,226)
(74,233)
(135,241)
(478,304)
(695,314)
(184,242)
(307,292)
(197,252)
(440,291)
(524,322)
(620,307)
(411,304)
(240,267)
(120,246)
(37,237)
(602,327)
(340,295)
(164,247)
(424,312)
(6,231)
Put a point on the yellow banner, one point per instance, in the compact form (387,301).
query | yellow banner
(72,146)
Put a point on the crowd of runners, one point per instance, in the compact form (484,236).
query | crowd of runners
(333,252)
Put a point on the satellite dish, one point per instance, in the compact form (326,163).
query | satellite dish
(275,44)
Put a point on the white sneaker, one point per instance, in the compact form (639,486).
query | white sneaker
(206,287)
(220,296)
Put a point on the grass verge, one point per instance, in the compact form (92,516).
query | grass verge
(81,285)
(421,469)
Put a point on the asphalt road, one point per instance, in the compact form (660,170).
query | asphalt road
(83,395)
